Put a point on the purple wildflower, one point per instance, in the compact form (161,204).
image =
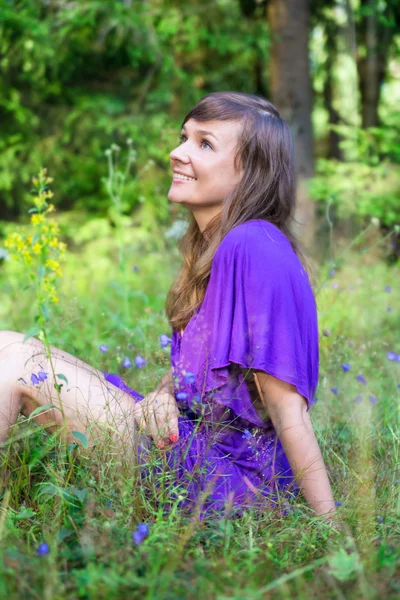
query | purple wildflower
(142,531)
(391,356)
(127,363)
(397,357)
(36,379)
(361,379)
(332,273)
(140,362)
(143,528)
(247,435)
(338,503)
(334,390)
(190,377)
(388,289)
(103,348)
(335,284)
(43,549)
(358,399)
(181,396)
(373,399)
(380,519)
(165,340)
(346,367)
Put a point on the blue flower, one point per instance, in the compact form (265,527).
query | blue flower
(181,396)
(391,356)
(143,528)
(334,390)
(103,348)
(373,399)
(140,362)
(190,377)
(332,273)
(358,399)
(247,435)
(361,379)
(338,503)
(142,531)
(388,289)
(127,363)
(36,379)
(397,357)
(380,519)
(346,367)
(165,340)
(43,549)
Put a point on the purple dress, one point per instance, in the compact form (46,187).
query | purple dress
(258,312)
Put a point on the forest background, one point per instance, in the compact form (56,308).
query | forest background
(95,91)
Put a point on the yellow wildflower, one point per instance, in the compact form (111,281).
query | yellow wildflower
(37,219)
(36,248)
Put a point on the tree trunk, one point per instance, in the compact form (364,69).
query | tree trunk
(291,92)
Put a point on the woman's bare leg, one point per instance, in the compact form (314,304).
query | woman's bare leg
(87,404)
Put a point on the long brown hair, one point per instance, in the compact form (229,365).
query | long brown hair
(265,150)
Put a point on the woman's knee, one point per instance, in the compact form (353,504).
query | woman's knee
(9,338)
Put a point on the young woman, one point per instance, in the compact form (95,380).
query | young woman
(232,414)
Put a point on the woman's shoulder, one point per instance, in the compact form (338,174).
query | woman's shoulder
(256,237)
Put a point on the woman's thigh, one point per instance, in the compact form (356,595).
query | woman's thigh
(87,403)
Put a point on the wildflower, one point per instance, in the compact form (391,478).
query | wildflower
(338,503)
(36,379)
(335,284)
(190,377)
(361,379)
(388,289)
(140,362)
(181,396)
(142,531)
(165,340)
(334,390)
(247,435)
(103,348)
(43,549)
(332,273)
(130,346)
(135,268)
(346,367)
(379,519)
(373,399)
(358,399)
(127,363)
(391,356)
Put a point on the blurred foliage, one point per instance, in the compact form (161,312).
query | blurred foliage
(367,183)
(80,76)
(77,77)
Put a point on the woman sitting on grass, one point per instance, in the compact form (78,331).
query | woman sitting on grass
(231,416)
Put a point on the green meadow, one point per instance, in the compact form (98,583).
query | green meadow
(67,517)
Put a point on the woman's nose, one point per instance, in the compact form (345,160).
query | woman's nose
(179,153)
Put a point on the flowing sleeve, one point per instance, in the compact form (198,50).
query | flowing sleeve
(259,312)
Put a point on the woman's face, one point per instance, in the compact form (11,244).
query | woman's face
(205,155)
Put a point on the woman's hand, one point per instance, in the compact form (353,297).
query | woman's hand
(157,416)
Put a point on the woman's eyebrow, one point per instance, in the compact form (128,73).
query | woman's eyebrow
(202,132)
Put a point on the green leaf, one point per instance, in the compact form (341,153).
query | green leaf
(33,210)
(32,333)
(58,386)
(344,566)
(61,376)
(81,437)
(41,409)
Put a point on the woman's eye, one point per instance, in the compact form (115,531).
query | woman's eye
(182,138)
(205,142)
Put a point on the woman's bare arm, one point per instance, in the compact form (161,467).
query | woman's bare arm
(295,431)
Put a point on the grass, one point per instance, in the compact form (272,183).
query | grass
(86,510)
